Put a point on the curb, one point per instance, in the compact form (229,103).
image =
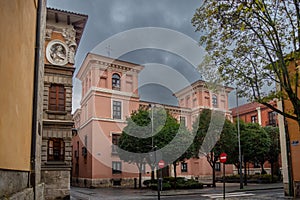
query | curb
(253,189)
(202,192)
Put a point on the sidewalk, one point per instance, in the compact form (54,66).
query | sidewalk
(229,187)
(138,194)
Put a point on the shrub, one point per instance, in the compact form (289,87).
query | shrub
(147,183)
(165,186)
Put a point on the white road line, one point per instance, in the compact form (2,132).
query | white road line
(234,194)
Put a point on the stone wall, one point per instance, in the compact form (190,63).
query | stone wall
(12,182)
(102,183)
(58,183)
(65,134)
(296,189)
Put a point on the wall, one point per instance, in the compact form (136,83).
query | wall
(16,80)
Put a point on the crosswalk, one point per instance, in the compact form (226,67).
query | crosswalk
(227,195)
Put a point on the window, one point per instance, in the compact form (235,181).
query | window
(182,120)
(184,167)
(218,166)
(56,149)
(215,101)
(115,140)
(117,109)
(272,118)
(254,119)
(57,98)
(116,167)
(116,82)
(256,164)
(143,170)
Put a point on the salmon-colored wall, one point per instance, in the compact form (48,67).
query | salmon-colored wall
(17,39)
(294,133)
(96,109)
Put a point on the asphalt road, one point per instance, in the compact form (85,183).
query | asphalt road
(127,194)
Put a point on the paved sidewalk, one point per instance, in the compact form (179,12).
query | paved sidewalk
(230,187)
(138,194)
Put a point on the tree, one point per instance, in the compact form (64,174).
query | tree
(254,44)
(274,150)
(138,147)
(255,144)
(183,143)
(170,140)
(223,142)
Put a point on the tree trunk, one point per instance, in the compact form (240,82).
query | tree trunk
(152,173)
(245,173)
(175,174)
(213,174)
(263,171)
(140,179)
(272,171)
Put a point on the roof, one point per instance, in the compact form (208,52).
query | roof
(250,107)
(76,19)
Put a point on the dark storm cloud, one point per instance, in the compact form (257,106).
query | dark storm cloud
(110,17)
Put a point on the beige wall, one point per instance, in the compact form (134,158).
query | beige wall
(17,39)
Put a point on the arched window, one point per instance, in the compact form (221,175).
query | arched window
(215,101)
(116,82)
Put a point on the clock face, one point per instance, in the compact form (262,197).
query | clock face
(57,53)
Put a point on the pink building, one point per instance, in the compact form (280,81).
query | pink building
(109,95)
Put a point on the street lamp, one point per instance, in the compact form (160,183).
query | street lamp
(154,148)
(239,139)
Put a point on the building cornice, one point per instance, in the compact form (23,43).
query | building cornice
(96,90)
(58,122)
(103,62)
(101,119)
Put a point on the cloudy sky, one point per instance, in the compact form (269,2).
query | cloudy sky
(168,57)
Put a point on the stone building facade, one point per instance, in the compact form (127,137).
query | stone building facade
(62,36)
(22,40)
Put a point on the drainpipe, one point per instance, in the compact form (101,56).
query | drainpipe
(35,96)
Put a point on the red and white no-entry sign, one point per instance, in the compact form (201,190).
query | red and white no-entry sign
(161,164)
(223,157)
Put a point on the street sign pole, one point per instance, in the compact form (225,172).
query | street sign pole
(161,165)
(158,185)
(223,180)
(223,159)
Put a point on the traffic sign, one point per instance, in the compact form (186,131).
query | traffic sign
(161,164)
(223,157)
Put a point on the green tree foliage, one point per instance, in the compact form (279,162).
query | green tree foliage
(253,43)
(224,141)
(274,151)
(131,141)
(171,142)
(255,143)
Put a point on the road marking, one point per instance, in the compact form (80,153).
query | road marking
(233,194)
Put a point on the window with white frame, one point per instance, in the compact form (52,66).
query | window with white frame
(254,119)
(116,81)
(116,167)
(182,120)
(218,166)
(215,101)
(115,141)
(184,167)
(117,109)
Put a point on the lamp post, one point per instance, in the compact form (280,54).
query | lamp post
(154,149)
(239,139)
